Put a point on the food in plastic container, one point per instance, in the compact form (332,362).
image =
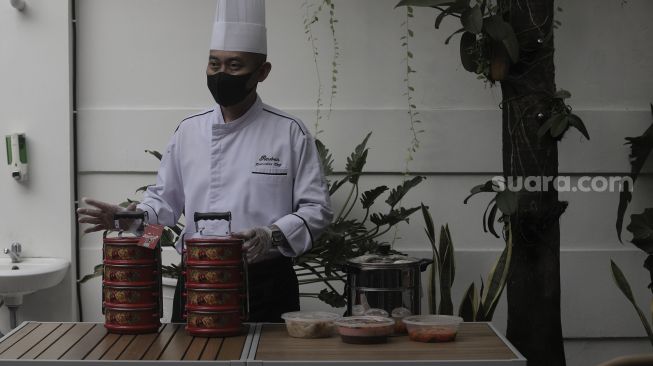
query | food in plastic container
(310,324)
(432,328)
(365,329)
(398,314)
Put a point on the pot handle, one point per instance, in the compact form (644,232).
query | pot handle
(245,316)
(199,216)
(423,263)
(129,215)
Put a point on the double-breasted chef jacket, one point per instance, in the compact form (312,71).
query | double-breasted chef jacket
(263,168)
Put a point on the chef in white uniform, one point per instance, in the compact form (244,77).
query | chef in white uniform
(245,157)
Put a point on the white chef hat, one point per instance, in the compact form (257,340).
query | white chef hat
(240,26)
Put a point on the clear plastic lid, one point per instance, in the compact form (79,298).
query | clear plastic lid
(364,322)
(309,316)
(401,312)
(433,320)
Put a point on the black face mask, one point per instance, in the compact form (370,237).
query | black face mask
(228,89)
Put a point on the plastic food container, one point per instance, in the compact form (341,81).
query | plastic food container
(432,328)
(310,324)
(398,315)
(365,329)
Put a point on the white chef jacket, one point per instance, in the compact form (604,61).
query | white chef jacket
(263,168)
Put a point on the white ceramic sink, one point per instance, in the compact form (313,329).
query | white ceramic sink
(29,275)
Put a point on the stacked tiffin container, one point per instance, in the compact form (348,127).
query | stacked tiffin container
(215,272)
(131,282)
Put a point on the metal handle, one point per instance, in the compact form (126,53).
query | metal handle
(212,216)
(129,215)
(16,247)
(245,266)
(423,263)
(206,216)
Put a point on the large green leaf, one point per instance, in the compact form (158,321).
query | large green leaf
(577,123)
(455,8)
(546,126)
(433,299)
(559,127)
(489,219)
(332,298)
(98,270)
(144,188)
(641,225)
(624,286)
(326,159)
(398,193)
(333,188)
(356,162)
(447,271)
(562,94)
(155,153)
(461,30)
(424,3)
(502,31)
(430,228)
(468,55)
(472,20)
(485,187)
(394,217)
(496,281)
(468,308)
(368,197)
(507,202)
(640,149)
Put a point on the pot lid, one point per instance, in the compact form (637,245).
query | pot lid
(382,261)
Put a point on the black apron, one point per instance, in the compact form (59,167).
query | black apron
(273,290)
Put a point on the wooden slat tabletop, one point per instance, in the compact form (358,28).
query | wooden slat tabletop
(65,342)
(475,342)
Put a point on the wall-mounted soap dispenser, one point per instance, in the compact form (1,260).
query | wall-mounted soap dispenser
(17,156)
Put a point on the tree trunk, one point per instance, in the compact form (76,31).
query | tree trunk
(533,289)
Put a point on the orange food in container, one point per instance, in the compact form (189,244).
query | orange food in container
(432,328)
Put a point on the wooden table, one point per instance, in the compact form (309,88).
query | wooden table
(35,343)
(89,344)
(476,344)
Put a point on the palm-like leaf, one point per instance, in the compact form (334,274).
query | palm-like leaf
(368,197)
(640,149)
(398,193)
(356,161)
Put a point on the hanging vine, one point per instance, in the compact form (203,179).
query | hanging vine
(412,108)
(312,14)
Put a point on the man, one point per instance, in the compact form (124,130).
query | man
(245,157)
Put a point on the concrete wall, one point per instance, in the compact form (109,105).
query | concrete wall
(35,98)
(141,70)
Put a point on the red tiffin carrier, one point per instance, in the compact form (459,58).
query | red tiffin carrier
(215,271)
(131,281)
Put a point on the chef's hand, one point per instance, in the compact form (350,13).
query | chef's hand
(258,241)
(102,215)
